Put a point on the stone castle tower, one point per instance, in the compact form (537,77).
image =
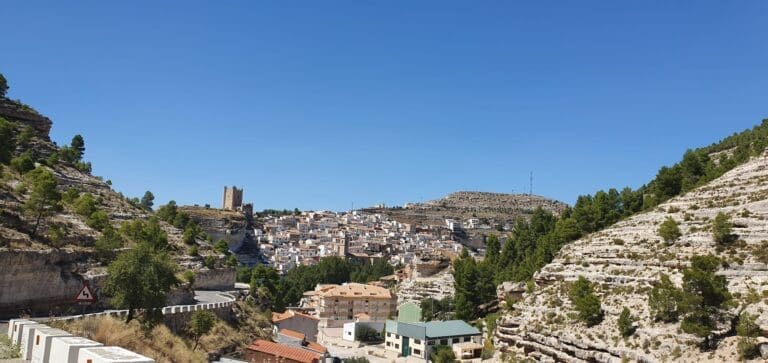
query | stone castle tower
(233,198)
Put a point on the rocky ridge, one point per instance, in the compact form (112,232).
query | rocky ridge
(494,210)
(38,274)
(625,261)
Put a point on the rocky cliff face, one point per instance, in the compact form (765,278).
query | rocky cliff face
(219,223)
(625,261)
(36,274)
(14,227)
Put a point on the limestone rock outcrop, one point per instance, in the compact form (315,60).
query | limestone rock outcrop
(625,261)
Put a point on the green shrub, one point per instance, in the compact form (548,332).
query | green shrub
(189,277)
(367,334)
(107,245)
(748,330)
(442,354)
(209,262)
(85,205)
(98,220)
(626,323)
(23,163)
(664,300)
(586,303)
(669,230)
(721,229)
(221,246)
(231,261)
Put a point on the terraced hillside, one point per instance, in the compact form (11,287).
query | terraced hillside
(625,261)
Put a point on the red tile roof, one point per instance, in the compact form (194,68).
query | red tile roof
(316,347)
(283,351)
(277,317)
(292,333)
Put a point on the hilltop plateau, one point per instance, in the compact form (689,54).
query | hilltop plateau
(492,212)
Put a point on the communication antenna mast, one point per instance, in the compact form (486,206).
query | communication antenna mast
(530,191)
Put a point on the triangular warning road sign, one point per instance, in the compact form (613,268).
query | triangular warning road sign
(85,295)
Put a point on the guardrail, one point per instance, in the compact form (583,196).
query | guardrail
(168,310)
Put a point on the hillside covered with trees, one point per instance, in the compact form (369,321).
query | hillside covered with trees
(534,242)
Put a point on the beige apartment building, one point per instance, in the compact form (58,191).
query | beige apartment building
(338,304)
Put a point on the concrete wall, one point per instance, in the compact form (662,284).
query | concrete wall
(303,324)
(218,279)
(38,281)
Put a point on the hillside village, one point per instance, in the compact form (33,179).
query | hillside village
(538,280)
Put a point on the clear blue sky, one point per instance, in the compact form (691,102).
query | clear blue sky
(318,104)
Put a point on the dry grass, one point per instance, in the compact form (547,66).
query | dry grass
(163,345)
(251,325)
(160,344)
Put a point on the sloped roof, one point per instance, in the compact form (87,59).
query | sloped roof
(278,317)
(450,328)
(432,329)
(316,347)
(358,290)
(284,351)
(292,334)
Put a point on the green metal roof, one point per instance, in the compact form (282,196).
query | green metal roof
(432,329)
(450,328)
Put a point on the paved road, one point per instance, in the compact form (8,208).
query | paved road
(207,297)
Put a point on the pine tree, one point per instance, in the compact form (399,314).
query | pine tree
(492,249)
(147,201)
(139,279)
(3,86)
(664,301)
(200,323)
(586,303)
(7,143)
(44,200)
(78,147)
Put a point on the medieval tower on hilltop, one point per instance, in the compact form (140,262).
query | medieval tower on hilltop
(233,198)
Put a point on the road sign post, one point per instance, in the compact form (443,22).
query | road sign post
(85,296)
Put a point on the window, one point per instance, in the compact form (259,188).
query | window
(455,340)
(443,341)
(397,346)
(416,341)
(466,339)
(389,335)
(431,342)
(417,352)
(389,344)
